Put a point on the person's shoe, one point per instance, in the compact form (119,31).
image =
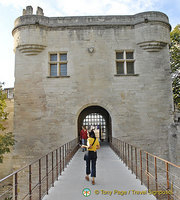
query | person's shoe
(87,178)
(93,182)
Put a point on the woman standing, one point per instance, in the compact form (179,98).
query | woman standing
(91,158)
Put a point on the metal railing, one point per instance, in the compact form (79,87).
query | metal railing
(34,180)
(161,177)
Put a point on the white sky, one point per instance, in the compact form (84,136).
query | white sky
(11,9)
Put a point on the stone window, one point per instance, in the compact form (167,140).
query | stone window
(58,64)
(124,62)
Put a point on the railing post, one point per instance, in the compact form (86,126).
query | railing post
(132,159)
(47,174)
(156,180)
(117,147)
(68,158)
(128,157)
(63,156)
(141,165)
(147,169)
(123,152)
(60,165)
(114,143)
(52,155)
(167,176)
(57,164)
(16,186)
(39,179)
(136,161)
(72,147)
(66,153)
(30,181)
(69,151)
(120,150)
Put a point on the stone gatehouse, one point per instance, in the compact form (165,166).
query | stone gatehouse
(68,69)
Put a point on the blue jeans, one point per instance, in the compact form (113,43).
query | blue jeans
(84,141)
(91,161)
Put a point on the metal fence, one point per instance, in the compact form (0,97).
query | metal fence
(161,177)
(34,180)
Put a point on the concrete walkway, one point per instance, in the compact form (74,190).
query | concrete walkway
(113,180)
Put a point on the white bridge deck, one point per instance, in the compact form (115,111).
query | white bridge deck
(114,181)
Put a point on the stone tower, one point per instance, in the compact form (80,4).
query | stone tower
(69,67)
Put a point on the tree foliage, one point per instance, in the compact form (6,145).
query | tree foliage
(6,139)
(175,64)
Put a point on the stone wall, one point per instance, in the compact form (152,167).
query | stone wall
(47,109)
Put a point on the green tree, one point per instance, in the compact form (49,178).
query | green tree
(6,139)
(175,64)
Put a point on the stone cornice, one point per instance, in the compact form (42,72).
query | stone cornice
(31,49)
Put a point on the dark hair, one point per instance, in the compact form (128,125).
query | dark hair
(92,134)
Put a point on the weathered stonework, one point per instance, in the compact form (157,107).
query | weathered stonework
(47,109)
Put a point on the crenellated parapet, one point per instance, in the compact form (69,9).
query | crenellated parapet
(29,11)
(151,29)
(85,21)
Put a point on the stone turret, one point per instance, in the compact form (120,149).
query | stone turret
(153,34)
(32,39)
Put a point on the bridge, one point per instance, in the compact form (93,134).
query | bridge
(123,172)
(114,180)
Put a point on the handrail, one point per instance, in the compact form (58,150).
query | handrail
(34,180)
(158,174)
(178,166)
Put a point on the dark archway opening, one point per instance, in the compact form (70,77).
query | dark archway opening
(97,118)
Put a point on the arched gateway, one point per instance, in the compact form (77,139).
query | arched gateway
(98,118)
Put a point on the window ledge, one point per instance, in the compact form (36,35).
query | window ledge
(126,74)
(58,76)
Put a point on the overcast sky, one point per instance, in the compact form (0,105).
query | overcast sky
(11,9)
